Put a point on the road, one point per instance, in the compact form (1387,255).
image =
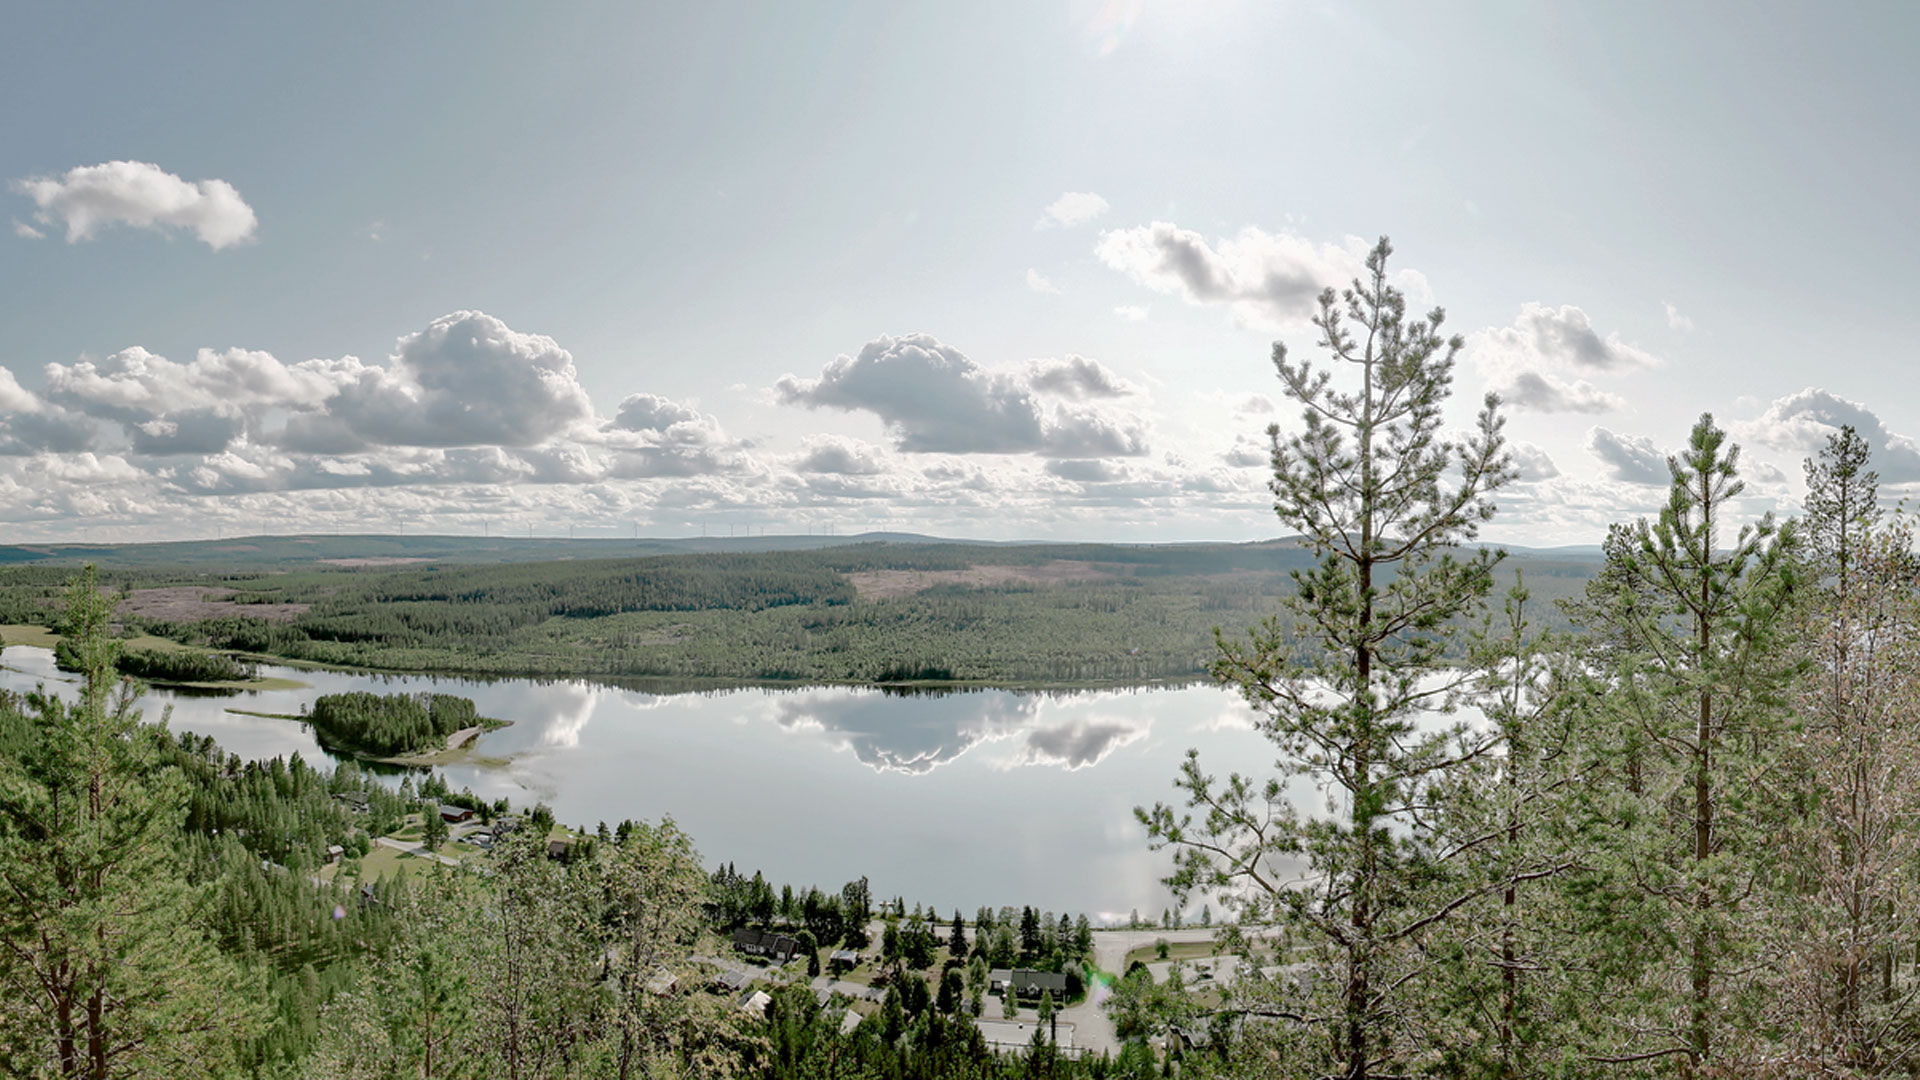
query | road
(414,848)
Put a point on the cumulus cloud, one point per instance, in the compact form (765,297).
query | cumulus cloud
(149,392)
(1676,320)
(1540,392)
(468,379)
(1077,377)
(1631,458)
(27,232)
(13,396)
(1072,208)
(656,437)
(1564,336)
(1802,422)
(1038,283)
(933,398)
(840,457)
(136,193)
(651,412)
(1532,463)
(1266,279)
(1086,470)
(1247,452)
(1521,361)
(43,430)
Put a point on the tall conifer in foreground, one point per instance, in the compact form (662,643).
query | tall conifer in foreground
(102,964)
(1691,736)
(1384,499)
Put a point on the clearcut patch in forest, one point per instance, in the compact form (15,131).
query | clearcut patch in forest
(187,603)
(888,584)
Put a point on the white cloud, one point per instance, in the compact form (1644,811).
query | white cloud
(1077,377)
(839,457)
(1538,391)
(1039,283)
(1131,312)
(934,399)
(142,195)
(468,379)
(1520,361)
(1248,452)
(1802,422)
(1268,280)
(13,396)
(1072,208)
(1532,463)
(1676,320)
(1087,470)
(27,232)
(1630,458)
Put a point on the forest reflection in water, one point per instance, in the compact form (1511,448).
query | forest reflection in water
(954,799)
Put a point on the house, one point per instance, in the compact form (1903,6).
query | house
(664,982)
(453,815)
(1188,1037)
(843,960)
(357,801)
(334,853)
(848,1021)
(756,1003)
(1027,983)
(559,849)
(733,980)
(776,948)
(506,824)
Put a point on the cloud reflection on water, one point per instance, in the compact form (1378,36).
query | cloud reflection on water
(1073,732)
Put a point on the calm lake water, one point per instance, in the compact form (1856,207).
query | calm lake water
(982,797)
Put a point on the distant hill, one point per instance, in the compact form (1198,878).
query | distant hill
(281,552)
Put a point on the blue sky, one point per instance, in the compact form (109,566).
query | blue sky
(987,270)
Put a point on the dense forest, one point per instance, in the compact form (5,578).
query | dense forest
(1058,614)
(383,725)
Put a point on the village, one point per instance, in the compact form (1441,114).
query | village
(1053,984)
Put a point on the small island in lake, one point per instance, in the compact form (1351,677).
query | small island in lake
(402,728)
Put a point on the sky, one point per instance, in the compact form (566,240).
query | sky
(985,270)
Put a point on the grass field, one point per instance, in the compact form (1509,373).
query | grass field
(1176,950)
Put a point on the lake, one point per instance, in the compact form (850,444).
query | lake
(954,800)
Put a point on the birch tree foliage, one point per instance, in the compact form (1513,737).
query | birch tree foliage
(1846,997)
(1385,499)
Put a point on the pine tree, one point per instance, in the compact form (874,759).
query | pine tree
(1508,821)
(1842,504)
(1697,674)
(102,962)
(1384,499)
